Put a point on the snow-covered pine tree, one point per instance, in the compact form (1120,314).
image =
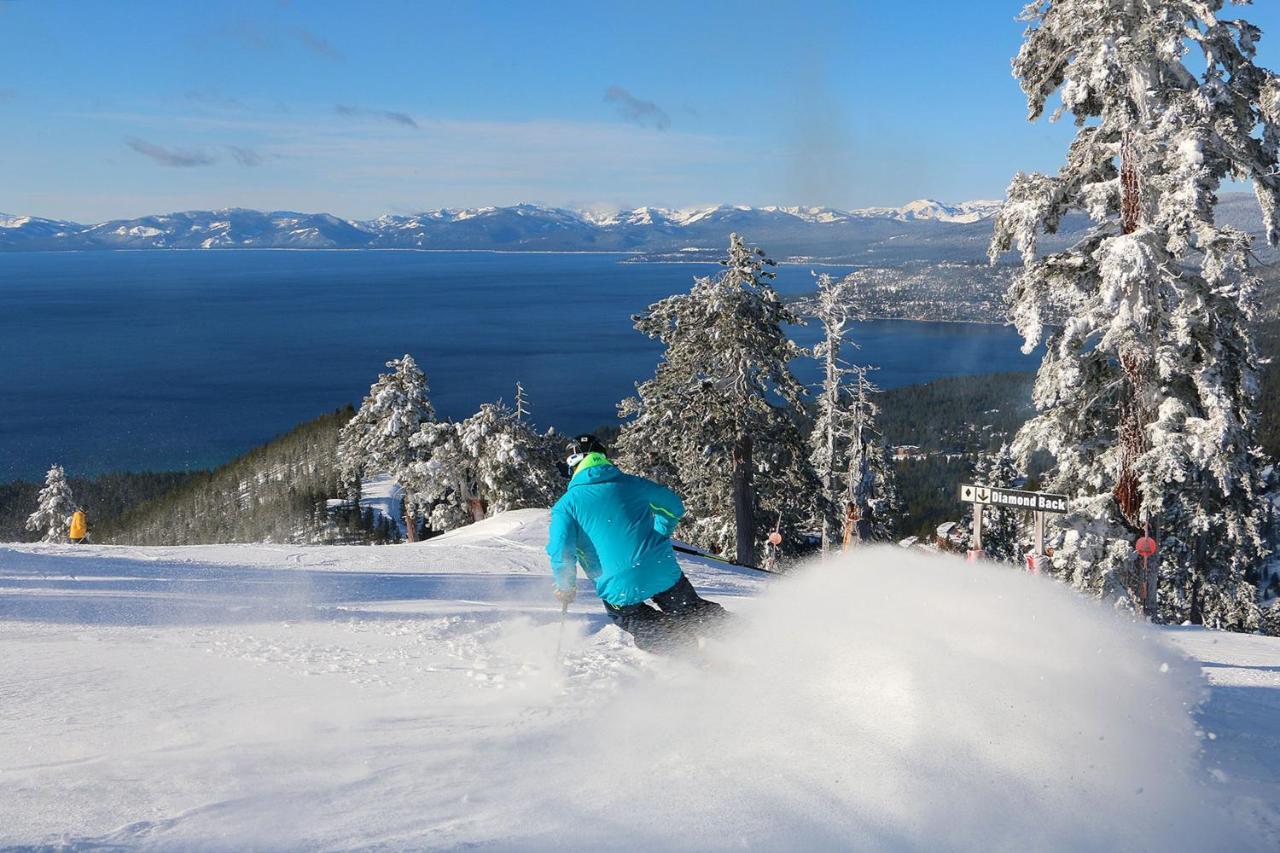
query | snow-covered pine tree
(492,462)
(1145,396)
(377,439)
(54,506)
(720,420)
(1002,527)
(871,488)
(442,478)
(846,452)
(514,465)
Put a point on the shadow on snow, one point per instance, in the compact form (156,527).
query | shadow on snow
(132,592)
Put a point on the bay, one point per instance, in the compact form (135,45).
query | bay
(175,359)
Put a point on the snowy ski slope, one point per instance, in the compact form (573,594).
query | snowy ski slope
(234,697)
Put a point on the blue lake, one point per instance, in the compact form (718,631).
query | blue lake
(168,360)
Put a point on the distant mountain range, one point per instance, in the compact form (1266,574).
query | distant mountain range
(921,230)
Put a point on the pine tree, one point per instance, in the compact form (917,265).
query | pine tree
(55,505)
(846,451)
(720,420)
(490,463)
(442,479)
(1145,395)
(1002,527)
(378,438)
(514,465)
(871,488)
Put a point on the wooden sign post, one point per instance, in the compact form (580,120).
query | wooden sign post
(1038,502)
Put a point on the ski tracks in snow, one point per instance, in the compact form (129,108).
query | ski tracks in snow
(277,730)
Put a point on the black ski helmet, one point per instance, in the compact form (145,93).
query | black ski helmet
(584,444)
(576,450)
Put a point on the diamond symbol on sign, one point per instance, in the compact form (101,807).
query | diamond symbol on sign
(966,493)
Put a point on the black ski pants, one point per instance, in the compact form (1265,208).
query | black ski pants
(674,625)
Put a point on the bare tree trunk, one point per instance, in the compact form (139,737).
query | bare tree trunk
(410,523)
(743,501)
(479,510)
(1130,188)
(1132,430)
(1196,616)
(829,487)
(832,386)
(1152,603)
(1132,435)
(851,517)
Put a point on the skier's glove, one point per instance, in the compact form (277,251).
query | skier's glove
(566,596)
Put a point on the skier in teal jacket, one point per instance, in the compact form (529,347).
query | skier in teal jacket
(618,527)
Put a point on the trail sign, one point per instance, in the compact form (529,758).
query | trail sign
(1038,502)
(1013,498)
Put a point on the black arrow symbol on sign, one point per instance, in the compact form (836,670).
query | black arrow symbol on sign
(982,495)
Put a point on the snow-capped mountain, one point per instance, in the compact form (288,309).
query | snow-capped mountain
(522,226)
(516,226)
(19,232)
(969,211)
(921,209)
(225,229)
(934,211)
(921,230)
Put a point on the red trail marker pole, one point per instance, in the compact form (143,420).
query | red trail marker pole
(1146,548)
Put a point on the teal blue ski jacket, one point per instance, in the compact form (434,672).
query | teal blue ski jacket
(619,528)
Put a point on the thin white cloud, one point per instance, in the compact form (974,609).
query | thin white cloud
(208,98)
(244,156)
(215,103)
(638,110)
(180,158)
(248,33)
(188,158)
(260,36)
(318,45)
(399,118)
(447,163)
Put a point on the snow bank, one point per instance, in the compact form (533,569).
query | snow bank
(896,701)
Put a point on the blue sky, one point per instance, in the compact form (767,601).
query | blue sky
(363,108)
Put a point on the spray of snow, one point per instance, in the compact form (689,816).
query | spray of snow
(897,701)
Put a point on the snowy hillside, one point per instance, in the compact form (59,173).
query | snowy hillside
(410,696)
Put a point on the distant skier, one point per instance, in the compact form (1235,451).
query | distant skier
(619,526)
(78,529)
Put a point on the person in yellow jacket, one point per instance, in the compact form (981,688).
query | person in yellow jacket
(79,531)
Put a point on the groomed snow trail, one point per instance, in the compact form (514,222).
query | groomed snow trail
(227,697)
